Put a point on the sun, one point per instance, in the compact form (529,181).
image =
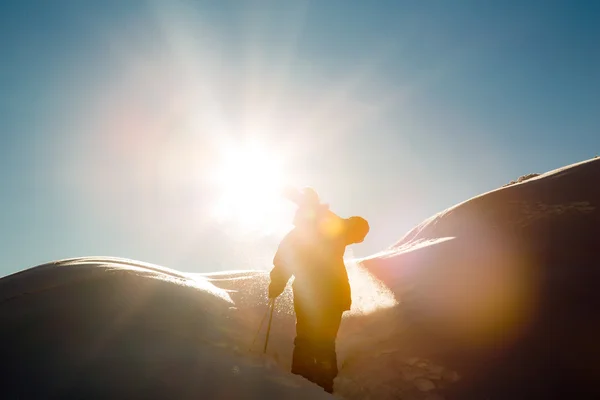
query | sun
(249,181)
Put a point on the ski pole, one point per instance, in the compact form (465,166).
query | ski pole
(262,321)
(269,326)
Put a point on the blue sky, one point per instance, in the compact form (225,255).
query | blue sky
(393,110)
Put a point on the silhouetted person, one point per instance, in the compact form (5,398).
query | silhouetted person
(313,252)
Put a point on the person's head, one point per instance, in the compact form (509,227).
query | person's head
(309,197)
(309,209)
(309,215)
(301,197)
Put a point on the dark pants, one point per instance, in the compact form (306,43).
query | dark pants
(314,354)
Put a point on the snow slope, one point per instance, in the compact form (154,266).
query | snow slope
(110,328)
(493,298)
(503,288)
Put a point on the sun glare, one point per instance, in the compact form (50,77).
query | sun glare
(250,181)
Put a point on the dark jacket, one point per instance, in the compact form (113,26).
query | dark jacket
(313,252)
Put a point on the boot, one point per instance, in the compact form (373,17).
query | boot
(325,370)
(303,362)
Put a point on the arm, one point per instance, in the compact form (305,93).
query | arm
(357,229)
(281,272)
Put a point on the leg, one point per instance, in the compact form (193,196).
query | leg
(303,361)
(325,355)
(314,354)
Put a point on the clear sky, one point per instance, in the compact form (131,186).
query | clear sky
(116,117)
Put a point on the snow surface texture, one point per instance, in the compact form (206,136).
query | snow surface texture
(494,298)
(110,328)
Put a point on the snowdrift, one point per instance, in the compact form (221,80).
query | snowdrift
(493,298)
(503,290)
(116,329)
